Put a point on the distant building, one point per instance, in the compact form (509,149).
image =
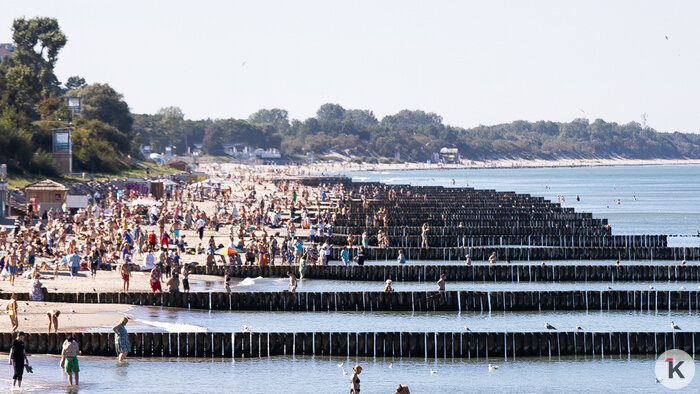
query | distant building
(242,151)
(6,49)
(449,155)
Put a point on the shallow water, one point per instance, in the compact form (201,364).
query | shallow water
(330,321)
(323,375)
(653,199)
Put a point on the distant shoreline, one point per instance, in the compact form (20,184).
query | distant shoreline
(347,166)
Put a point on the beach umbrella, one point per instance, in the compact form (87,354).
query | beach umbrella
(144,202)
(227,251)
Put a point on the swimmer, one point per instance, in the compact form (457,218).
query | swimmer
(387,287)
(292,287)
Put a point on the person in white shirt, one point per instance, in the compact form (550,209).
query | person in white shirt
(148,261)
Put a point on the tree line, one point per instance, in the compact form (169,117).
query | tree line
(106,135)
(413,135)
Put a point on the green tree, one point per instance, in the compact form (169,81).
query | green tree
(330,112)
(38,41)
(22,89)
(102,102)
(75,82)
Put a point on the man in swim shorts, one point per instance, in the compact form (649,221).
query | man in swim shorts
(69,359)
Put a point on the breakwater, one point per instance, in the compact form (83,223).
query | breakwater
(417,301)
(428,345)
(473,273)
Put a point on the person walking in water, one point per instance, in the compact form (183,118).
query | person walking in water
(11,309)
(69,360)
(292,287)
(493,259)
(18,359)
(401,259)
(121,340)
(387,287)
(424,236)
(355,380)
(441,283)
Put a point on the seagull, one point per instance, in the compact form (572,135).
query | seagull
(493,367)
(651,287)
(466,328)
(657,380)
(390,365)
(345,373)
(24,310)
(674,326)
(549,326)
(246,328)
(72,310)
(340,365)
(682,287)
(433,371)
(579,328)
(608,287)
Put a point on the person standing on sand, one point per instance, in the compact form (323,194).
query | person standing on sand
(121,340)
(292,287)
(155,279)
(69,360)
(11,309)
(18,359)
(126,274)
(53,319)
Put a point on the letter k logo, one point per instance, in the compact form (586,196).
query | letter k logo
(672,369)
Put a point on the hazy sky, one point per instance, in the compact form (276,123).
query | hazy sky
(480,62)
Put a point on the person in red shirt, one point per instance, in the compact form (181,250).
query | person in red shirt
(164,241)
(152,239)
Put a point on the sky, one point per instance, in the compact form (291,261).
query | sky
(472,62)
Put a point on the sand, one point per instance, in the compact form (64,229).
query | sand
(73,317)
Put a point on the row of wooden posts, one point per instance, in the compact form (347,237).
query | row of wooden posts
(365,301)
(428,345)
(474,273)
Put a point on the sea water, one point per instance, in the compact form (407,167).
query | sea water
(662,199)
(325,375)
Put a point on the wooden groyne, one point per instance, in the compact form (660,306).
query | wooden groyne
(473,273)
(430,345)
(529,253)
(415,301)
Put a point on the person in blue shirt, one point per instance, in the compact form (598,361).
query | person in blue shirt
(345,255)
(401,259)
(73,264)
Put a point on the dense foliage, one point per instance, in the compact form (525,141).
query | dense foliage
(414,136)
(32,103)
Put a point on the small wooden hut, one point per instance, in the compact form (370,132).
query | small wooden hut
(46,194)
